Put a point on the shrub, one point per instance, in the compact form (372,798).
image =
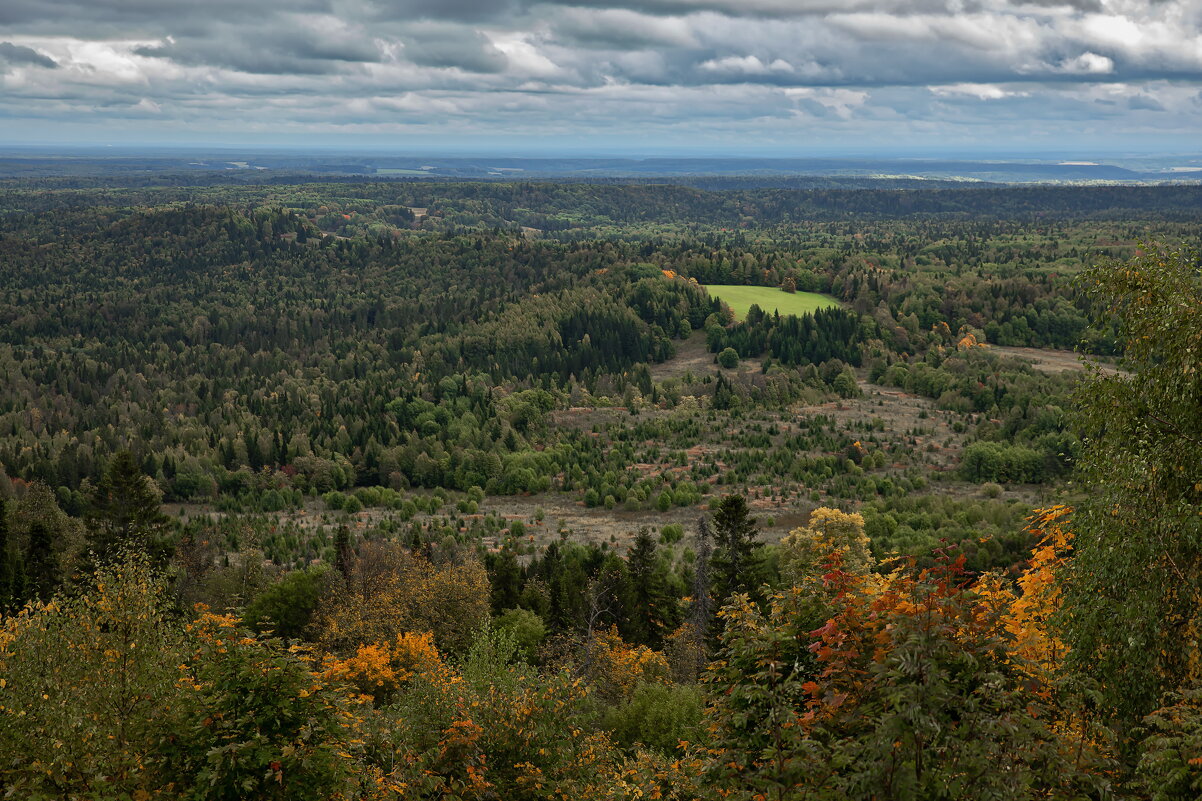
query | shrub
(67,666)
(527,628)
(657,715)
(288,606)
(671,533)
(258,723)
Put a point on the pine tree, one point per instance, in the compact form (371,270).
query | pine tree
(343,552)
(648,600)
(506,576)
(254,454)
(8,595)
(735,564)
(41,569)
(124,513)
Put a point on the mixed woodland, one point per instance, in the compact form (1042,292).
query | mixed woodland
(454,490)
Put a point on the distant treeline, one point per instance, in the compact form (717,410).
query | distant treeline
(558,205)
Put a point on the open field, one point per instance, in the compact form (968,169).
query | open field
(1052,361)
(770,299)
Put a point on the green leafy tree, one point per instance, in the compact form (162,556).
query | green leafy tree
(526,628)
(1170,760)
(90,688)
(936,700)
(758,690)
(1133,588)
(287,607)
(657,715)
(258,723)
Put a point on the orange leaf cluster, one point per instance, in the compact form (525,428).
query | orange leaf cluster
(379,669)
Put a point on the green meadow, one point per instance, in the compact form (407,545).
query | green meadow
(770,299)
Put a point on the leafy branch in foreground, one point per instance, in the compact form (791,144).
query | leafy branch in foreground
(1132,604)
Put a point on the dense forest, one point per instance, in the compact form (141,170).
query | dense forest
(473,490)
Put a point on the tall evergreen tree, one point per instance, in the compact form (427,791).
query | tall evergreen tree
(506,577)
(736,566)
(647,609)
(342,551)
(8,594)
(42,574)
(124,513)
(702,610)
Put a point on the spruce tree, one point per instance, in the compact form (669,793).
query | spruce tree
(506,576)
(736,566)
(41,568)
(647,605)
(8,595)
(343,552)
(124,513)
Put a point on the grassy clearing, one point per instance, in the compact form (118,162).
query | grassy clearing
(770,299)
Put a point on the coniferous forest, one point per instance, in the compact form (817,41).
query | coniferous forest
(425,489)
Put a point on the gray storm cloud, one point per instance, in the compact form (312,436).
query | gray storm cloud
(763,67)
(17,54)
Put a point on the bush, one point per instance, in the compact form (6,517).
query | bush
(845,385)
(107,696)
(287,606)
(995,462)
(67,665)
(728,358)
(259,724)
(368,496)
(495,728)
(657,716)
(527,630)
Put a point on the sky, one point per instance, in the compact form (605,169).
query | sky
(751,77)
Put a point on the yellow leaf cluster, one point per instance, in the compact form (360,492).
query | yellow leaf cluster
(830,532)
(393,592)
(617,667)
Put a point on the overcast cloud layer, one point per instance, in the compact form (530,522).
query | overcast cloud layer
(726,75)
